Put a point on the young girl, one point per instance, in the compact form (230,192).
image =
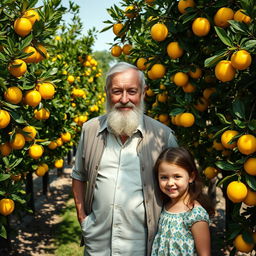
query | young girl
(183,227)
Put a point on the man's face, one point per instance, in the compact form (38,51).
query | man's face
(125,89)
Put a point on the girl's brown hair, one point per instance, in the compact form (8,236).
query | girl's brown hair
(183,158)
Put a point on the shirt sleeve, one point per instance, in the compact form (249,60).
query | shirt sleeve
(172,141)
(78,168)
(197,214)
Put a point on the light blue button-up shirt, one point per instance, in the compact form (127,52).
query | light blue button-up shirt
(116,225)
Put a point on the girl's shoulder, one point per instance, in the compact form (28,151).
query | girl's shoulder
(198,213)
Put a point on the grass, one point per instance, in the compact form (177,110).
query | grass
(67,233)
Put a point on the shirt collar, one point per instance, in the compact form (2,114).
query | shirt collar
(104,126)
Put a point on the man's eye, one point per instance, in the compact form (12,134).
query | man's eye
(132,92)
(116,92)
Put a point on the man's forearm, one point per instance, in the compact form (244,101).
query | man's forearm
(78,188)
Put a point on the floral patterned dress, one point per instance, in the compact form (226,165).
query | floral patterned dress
(174,236)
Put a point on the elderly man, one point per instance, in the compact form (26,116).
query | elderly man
(115,190)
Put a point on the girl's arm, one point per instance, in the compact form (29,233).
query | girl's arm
(201,233)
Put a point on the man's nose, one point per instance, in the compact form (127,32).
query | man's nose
(124,98)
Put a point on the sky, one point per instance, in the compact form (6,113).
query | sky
(92,14)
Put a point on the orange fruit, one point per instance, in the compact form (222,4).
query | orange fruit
(208,92)
(226,137)
(174,50)
(5,149)
(236,191)
(18,141)
(247,144)
(177,119)
(210,172)
(159,32)
(241,245)
(186,119)
(6,206)
(201,27)
(116,51)
(150,92)
(224,71)
(46,167)
(40,171)
(163,118)
(17,68)
(202,104)
(183,4)
(217,145)
(188,88)
(41,53)
(197,73)
(31,130)
(117,28)
(127,49)
(141,64)
(158,71)
(35,151)
(130,12)
(59,142)
(250,198)
(42,114)
(31,15)
(241,59)
(4,118)
(32,57)
(22,26)
(222,16)
(241,17)
(59,163)
(66,137)
(162,97)
(250,166)
(13,95)
(71,79)
(46,90)
(180,78)
(32,98)
(52,145)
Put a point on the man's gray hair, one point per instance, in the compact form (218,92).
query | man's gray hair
(121,67)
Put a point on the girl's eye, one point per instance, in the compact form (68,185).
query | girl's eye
(163,177)
(177,176)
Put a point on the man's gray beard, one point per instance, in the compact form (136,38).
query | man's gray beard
(124,122)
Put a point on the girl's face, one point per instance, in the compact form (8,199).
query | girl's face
(173,180)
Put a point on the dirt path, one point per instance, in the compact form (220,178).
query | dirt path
(36,232)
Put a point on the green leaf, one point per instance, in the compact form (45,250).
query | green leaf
(249,45)
(222,118)
(212,61)
(227,166)
(2,57)
(16,163)
(225,179)
(239,109)
(3,232)
(238,26)
(176,111)
(252,125)
(223,36)
(4,176)
(17,117)
(239,123)
(247,236)
(251,181)
(26,42)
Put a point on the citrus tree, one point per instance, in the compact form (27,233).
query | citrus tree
(199,61)
(49,87)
